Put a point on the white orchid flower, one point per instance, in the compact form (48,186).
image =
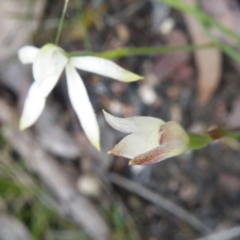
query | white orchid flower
(150,140)
(48,65)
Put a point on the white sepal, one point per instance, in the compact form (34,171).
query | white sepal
(27,54)
(130,146)
(33,107)
(133,124)
(104,67)
(82,106)
(162,152)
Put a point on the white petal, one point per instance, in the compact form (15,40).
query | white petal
(82,106)
(104,67)
(48,66)
(130,146)
(136,144)
(27,54)
(33,107)
(47,85)
(133,124)
(167,150)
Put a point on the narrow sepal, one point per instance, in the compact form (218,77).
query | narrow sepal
(27,54)
(133,124)
(82,106)
(104,67)
(33,107)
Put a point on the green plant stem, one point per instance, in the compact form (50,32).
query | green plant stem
(125,52)
(235,135)
(228,50)
(61,22)
(197,141)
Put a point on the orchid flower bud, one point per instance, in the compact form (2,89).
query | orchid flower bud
(150,140)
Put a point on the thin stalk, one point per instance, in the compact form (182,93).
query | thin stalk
(198,141)
(225,48)
(61,22)
(235,135)
(125,52)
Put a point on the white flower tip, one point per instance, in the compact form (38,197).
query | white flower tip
(97,145)
(107,116)
(132,77)
(110,152)
(27,54)
(95,141)
(21,56)
(131,163)
(105,113)
(23,125)
(112,120)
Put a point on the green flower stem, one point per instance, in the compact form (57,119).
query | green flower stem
(125,52)
(201,16)
(225,48)
(235,135)
(61,22)
(228,50)
(198,141)
(218,133)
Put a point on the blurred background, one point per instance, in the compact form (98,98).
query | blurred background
(55,186)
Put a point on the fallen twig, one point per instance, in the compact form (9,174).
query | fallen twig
(160,201)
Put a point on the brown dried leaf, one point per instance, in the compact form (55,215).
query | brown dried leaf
(208,61)
(168,63)
(227,12)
